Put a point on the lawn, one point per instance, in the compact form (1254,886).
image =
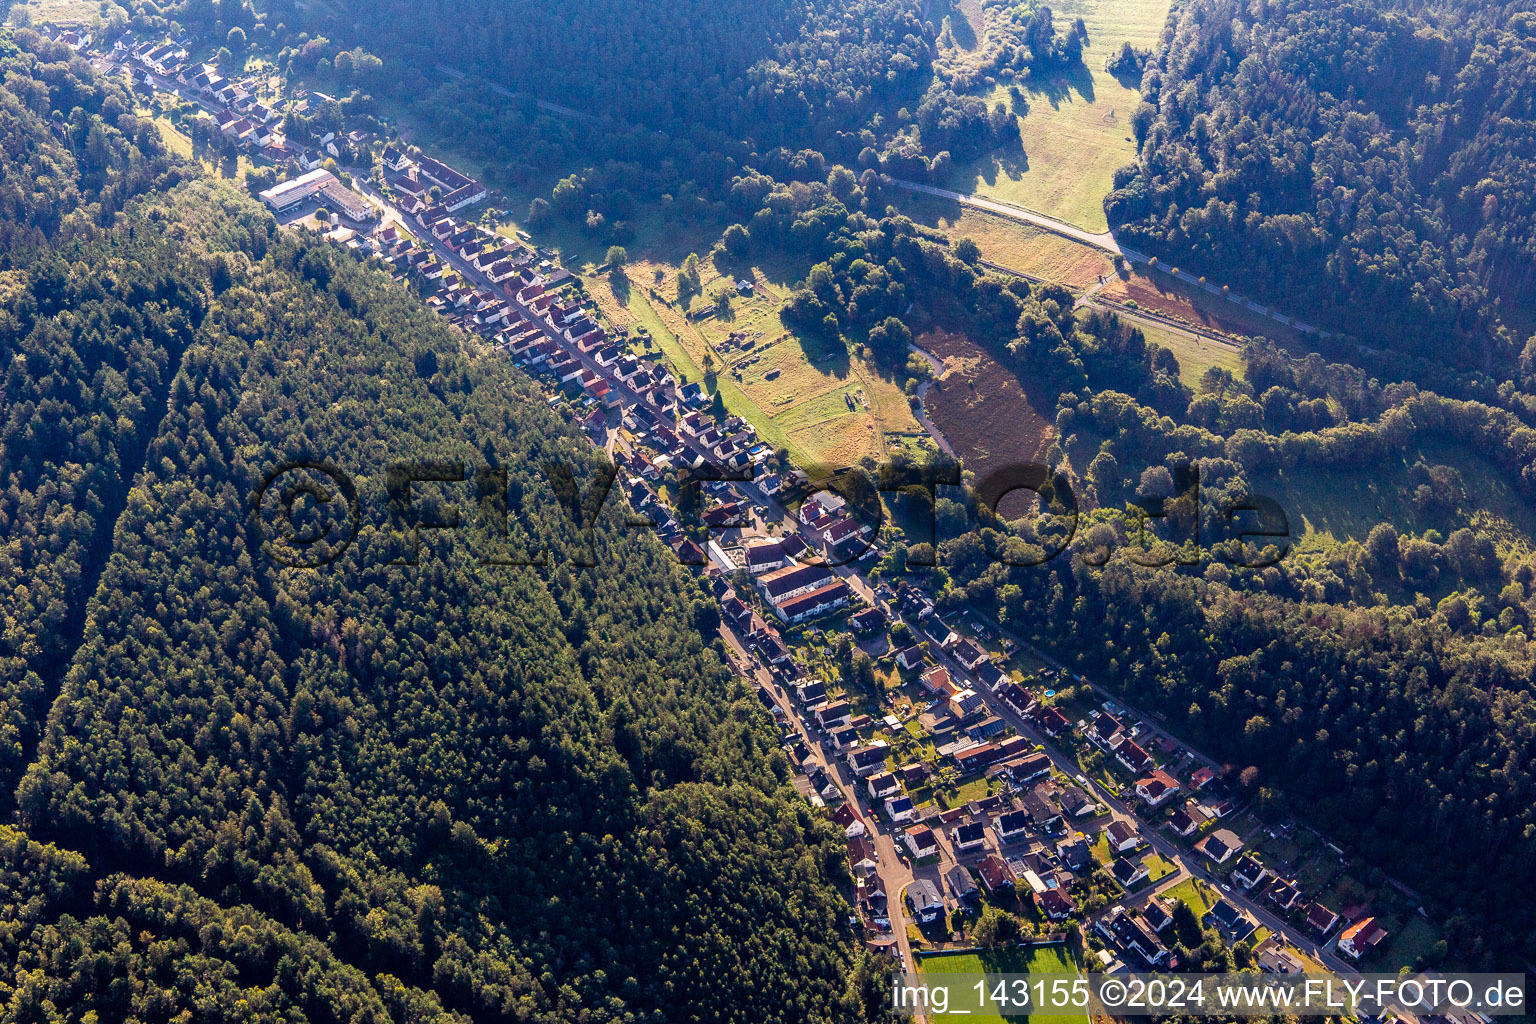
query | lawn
(1077,129)
(1409,942)
(1041,960)
(1159,867)
(1192,893)
(178,142)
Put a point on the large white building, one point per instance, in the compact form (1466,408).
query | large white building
(288,194)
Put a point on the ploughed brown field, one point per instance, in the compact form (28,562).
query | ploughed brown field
(979,406)
(1158,293)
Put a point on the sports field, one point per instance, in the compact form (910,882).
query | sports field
(1039,960)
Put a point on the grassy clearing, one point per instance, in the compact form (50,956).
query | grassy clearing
(981,407)
(181,144)
(1077,129)
(828,410)
(1195,355)
(61,12)
(175,140)
(1344,504)
(1042,960)
(1011,244)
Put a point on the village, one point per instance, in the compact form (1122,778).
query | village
(964,768)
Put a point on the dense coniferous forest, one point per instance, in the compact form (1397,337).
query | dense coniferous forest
(1369,162)
(449,791)
(785,72)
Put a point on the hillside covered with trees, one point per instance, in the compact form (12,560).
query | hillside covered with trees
(453,791)
(1369,164)
(1379,687)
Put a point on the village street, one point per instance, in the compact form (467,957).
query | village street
(894,871)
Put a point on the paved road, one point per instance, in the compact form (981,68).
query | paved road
(894,870)
(897,879)
(1098,239)
(1104,241)
(1160,844)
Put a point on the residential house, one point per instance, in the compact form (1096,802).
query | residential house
(967,837)
(1186,820)
(1011,827)
(1130,754)
(991,676)
(920,839)
(817,602)
(1157,913)
(1055,904)
(969,654)
(1131,934)
(910,658)
(965,703)
(962,885)
(1220,845)
(866,622)
(1157,788)
(1123,836)
(763,556)
(882,785)
(1284,894)
(1248,872)
(1031,767)
(1051,721)
(1130,870)
(913,775)
(936,680)
(1075,852)
(974,758)
(1274,958)
(1320,919)
(900,809)
(1105,729)
(845,816)
(1041,810)
(995,876)
(1231,919)
(792,581)
(833,714)
(862,858)
(1361,937)
(987,728)
(923,896)
(1075,802)
(864,761)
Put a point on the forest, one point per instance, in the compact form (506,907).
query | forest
(1368,163)
(450,792)
(1381,688)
